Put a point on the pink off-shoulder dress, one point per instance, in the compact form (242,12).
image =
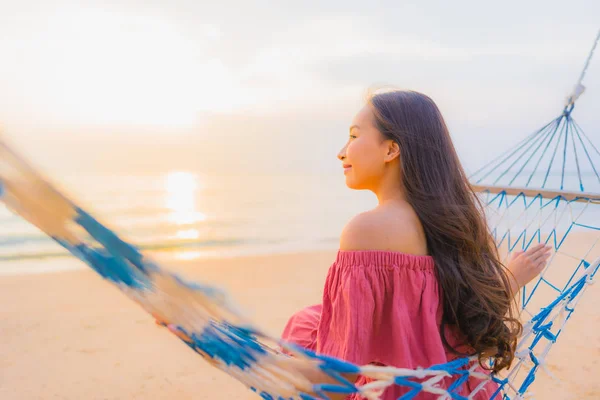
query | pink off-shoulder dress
(380,307)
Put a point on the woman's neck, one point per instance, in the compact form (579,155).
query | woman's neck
(390,189)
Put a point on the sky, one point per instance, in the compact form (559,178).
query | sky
(264,86)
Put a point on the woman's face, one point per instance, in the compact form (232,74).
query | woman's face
(365,154)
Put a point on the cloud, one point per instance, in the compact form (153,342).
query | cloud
(291,75)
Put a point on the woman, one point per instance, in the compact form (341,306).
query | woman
(417,281)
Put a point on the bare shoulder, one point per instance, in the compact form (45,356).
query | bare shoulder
(394,228)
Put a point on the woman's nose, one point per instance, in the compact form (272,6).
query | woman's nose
(342,154)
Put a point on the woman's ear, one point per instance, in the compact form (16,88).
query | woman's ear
(393,151)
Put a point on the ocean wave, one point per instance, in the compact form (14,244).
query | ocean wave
(153,246)
(12,240)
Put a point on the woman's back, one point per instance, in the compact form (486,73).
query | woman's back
(381,300)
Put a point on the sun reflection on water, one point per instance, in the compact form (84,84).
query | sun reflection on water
(181,189)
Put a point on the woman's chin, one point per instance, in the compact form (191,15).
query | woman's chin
(350,183)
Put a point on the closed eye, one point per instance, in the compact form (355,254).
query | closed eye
(353,136)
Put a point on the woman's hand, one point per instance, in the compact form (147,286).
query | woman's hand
(526,265)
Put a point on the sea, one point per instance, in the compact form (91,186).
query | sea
(186,215)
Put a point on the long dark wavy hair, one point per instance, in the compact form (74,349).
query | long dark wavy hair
(477,298)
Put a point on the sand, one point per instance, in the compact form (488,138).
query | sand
(71,335)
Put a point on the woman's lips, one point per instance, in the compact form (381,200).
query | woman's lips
(347,168)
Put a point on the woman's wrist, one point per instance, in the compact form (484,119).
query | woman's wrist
(514,284)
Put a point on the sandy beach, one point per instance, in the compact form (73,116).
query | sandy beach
(71,335)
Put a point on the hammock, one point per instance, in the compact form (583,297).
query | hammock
(207,320)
